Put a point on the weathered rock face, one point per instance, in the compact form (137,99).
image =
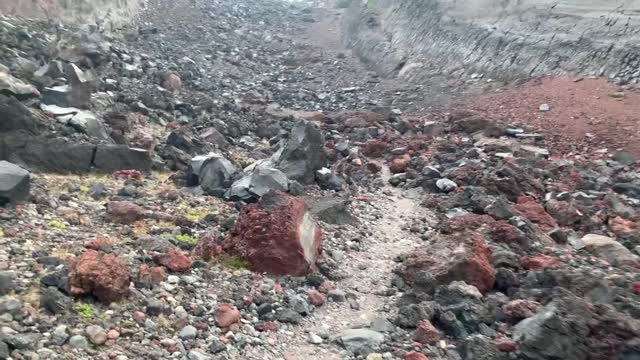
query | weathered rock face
(276,236)
(112,12)
(493,37)
(303,153)
(112,158)
(104,276)
(15,116)
(469,260)
(14,183)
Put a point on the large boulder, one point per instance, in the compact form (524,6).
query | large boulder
(303,153)
(257,182)
(14,183)
(468,259)
(15,116)
(213,172)
(609,249)
(110,158)
(38,153)
(104,276)
(276,235)
(361,341)
(81,120)
(569,328)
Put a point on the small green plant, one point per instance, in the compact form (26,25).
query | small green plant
(343,4)
(1,232)
(232,262)
(84,189)
(185,238)
(84,310)
(57,225)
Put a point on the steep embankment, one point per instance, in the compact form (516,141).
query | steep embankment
(108,13)
(501,39)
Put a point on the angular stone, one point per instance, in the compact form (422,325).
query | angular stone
(214,172)
(257,182)
(226,315)
(468,259)
(277,235)
(303,153)
(15,116)
(15,183)
(16,87)
(174,260)
(111,158)
(103,275)
(361,341)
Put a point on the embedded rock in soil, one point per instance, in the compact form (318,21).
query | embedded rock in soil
(361,341)
(104,276)
(110,158)
(277,236)
(214,173)
(124,212)
(468,259)
(303,153)
(257,182)
(15,183)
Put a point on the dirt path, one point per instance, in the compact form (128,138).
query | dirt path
(369,273)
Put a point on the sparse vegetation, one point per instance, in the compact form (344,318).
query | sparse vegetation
(188,239)
(232,262)
(84,310)
(57,224)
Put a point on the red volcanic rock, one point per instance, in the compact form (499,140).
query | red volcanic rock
(635,287)
(564,212)
(505,345)
(622,226)
(468,259)
(316,298)
(374,148)
(426,333)
(174,260)
(124,212)
(226,315)
(503,232)
(414,355)
(277,236)
(104,276)
(150,275)
(538,262)
(400,164)
(521,309)
(374,166)
(534,212)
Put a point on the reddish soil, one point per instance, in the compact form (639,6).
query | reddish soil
(583,117)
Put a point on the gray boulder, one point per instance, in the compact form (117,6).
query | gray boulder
(361,341)
(214,173)
(14,183)
(110,158)
(38,153)
(257,182)
(302,154)
(15,116)
(556,332)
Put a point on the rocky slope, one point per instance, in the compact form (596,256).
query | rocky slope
(223,180)
(496,39)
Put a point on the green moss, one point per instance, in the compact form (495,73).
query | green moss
(187,239)
(84,189)
(85,310)
(57,225)
(232,262)
(1,232)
